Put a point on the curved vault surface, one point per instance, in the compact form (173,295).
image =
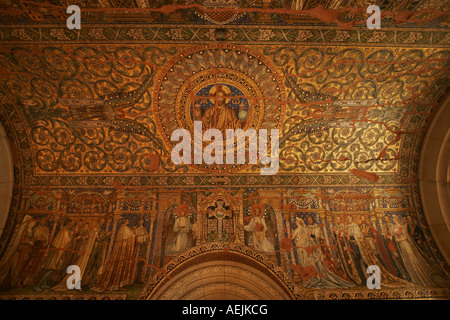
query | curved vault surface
(89,115)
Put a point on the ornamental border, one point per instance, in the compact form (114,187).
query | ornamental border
(188,34)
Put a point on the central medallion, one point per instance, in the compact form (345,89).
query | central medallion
(224,87)
(222,99)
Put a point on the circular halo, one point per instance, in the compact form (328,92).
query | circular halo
(225,89)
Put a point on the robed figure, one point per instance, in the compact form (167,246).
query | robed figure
(421,269)
(181,235)
(119,267)
(94,266)
(11,272)
(58,255)
(142,239)
(258,230)
(312,267)
(88,236)
(220,116)
(369,256)
(345,253)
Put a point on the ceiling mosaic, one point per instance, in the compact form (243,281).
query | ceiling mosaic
(90,114)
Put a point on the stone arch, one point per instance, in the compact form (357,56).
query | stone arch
(229,274)
(434,178)
(6,178)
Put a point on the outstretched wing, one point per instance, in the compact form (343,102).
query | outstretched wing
(308,126)
(306,96)
(129,98)
(78,102)
(132,126)
(118,99)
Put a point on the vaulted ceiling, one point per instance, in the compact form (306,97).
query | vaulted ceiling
(89,113)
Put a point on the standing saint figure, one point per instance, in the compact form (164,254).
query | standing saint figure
(417,235)
(370,257)
(375,243)
(41,240)
(387,232)
(345,253)
(57,258)
(11,272)
(94,264)
(142,238)
(421,270)
(89,236)
(353,234)
(258,228)
(301,237)
(311,259)
(181,227)
(119,267)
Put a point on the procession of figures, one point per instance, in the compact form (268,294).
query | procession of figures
(114,252)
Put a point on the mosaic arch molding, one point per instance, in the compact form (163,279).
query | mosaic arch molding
(233,259)
(6,178)
(434,178)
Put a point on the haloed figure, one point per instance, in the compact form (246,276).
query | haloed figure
(220,115)
(181,227)
(258,228)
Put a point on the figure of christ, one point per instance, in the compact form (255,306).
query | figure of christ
(220,116)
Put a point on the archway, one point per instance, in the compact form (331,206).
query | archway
(434,178)
(6,178)
(218,275)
